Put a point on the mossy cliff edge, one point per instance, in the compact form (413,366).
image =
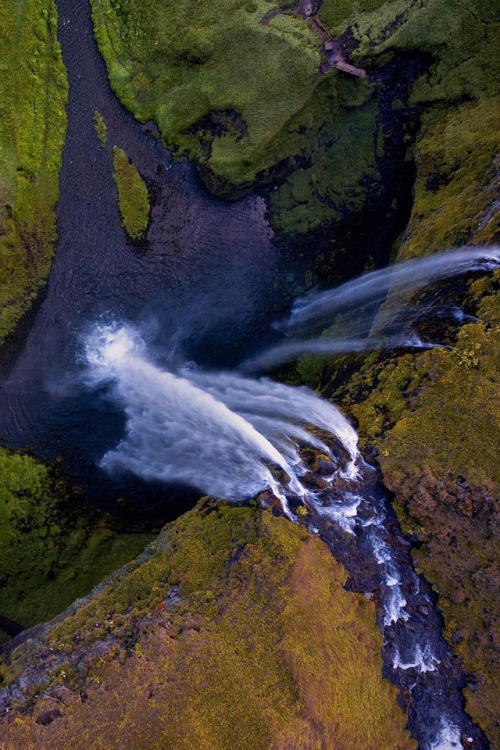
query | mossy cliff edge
(54,547)
(33,91)
(433,417)
(250,91)
(233,630)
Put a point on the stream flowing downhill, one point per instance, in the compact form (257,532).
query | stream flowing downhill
(238,437)
(350,315)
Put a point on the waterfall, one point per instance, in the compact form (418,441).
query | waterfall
(226,434)
(345,315)
(236,437)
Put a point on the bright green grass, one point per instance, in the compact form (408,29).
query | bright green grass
(178,62)
(33,93)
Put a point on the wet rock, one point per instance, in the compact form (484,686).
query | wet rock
(325,468)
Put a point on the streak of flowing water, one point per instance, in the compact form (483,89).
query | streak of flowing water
(348,311)
(400,278)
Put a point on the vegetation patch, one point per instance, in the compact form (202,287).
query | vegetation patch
(235,632)
(133,198)
(177,63)
(313,137)
(33,91)
(54,547)
(101,128)
(433,419)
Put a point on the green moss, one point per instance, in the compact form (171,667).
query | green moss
(101,128)
(457,180)
(237,662)
(53,546)
(244,98)
(434,419)
(133,198)
(333,137)
(33,91)
(178,63)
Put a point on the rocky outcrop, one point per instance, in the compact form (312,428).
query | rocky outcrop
(233,630)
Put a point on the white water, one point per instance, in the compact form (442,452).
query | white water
(348,311)
(220,432)
(401,278)
(423,660)
(448,737)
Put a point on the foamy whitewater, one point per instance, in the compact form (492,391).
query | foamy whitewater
(222,433)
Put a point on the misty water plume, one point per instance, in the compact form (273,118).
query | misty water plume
(349,318)
(225,434)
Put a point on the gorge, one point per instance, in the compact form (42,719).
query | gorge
(180,362)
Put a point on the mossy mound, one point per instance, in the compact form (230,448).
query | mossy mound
(53,546)
(33,91)
(133,198)
(100,128)
(234,631)
(181,63)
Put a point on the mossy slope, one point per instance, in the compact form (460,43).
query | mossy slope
(234,632)
(434,419)
(53,546)
(33,91)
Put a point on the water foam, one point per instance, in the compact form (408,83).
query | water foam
(221,432)
(448,737)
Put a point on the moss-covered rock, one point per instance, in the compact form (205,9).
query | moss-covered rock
(219,83)
(458,182)
(54,547)
(133,198)
(101,128)
(33,91)
(234,631)
(244,95)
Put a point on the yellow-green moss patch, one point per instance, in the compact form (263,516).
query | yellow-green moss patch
(263,649)
(53,546)
(133,198)
(100,128)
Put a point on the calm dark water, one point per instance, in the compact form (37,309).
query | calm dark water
(203,282)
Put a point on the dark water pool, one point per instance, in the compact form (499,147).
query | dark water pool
(204,279)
